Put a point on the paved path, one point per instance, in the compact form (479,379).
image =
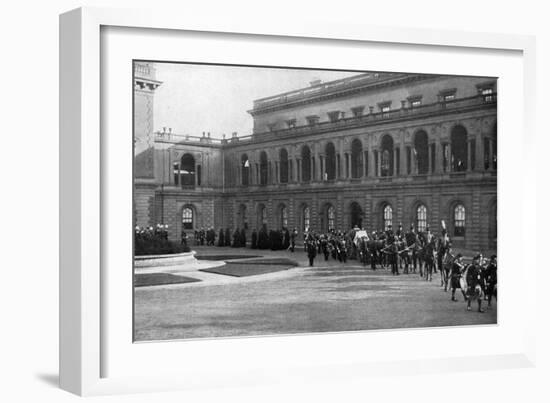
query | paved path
(331,297)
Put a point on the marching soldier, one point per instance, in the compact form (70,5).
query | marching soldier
(475,283)
(490,274)
(311,249)
(456,273)
(411,239)
(293,236)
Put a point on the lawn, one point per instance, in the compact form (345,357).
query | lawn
(149,279)
(242,269)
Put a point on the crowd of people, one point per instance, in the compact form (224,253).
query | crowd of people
(402,252)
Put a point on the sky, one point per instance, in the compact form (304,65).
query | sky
(215,99)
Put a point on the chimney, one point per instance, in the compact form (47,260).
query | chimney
(208,134)
(203,134)
(234,134)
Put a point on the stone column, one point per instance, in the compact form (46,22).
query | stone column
(395,164)
(469,158)
(438,157)
(430,162)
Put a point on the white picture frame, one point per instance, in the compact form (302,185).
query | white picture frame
(85,345)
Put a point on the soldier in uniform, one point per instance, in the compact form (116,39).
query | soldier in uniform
(490,274)
(293,236)
(456,273)
(411,239)
(311,249)
(475,283)
(183,238)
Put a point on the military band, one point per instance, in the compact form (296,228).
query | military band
(402,252)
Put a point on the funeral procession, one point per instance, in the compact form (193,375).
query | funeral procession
(353,201)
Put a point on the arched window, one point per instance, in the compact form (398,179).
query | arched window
(459,220)
(187,171)
(263,168)
(187,218)
(356,158)
(283,216)
(421,218)
(331,218)
(245,170)
(262,215)
(459,149)
(305,219)
(283,167)
(387,217)
(421,152)
(386,163)
(330,162)
(306,164)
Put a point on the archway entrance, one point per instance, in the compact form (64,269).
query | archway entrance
(356,215)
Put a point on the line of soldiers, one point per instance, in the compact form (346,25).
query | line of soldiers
(208,237)
(423,251)
(160,231)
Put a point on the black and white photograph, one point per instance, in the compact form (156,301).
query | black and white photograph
(270,200)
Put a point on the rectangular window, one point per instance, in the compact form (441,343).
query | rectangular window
(449,97)
(199,170)
(416,103)
(386,112)
(487,94)
(376,173)
(291,123)
(366,163)
(312,120)
(333,116)
(357,111)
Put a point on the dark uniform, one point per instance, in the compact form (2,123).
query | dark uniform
(490,275)
(456,274)
(475,283)
(311,250)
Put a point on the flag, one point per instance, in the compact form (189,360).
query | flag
(247,164)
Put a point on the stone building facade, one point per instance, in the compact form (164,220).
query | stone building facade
(372,150)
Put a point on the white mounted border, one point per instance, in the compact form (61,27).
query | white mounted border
(97,355)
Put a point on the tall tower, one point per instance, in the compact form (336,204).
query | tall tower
(145,184)
(145,85)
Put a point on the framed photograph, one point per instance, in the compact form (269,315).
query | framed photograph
(235,199)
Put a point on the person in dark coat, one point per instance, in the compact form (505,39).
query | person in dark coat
(236,239)
(456,273)
(227,237)
(311,250)
(254,239)
(475,283)
(490,275)
(221,238)
(243,238)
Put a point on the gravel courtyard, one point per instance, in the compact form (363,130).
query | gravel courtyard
(328,297)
